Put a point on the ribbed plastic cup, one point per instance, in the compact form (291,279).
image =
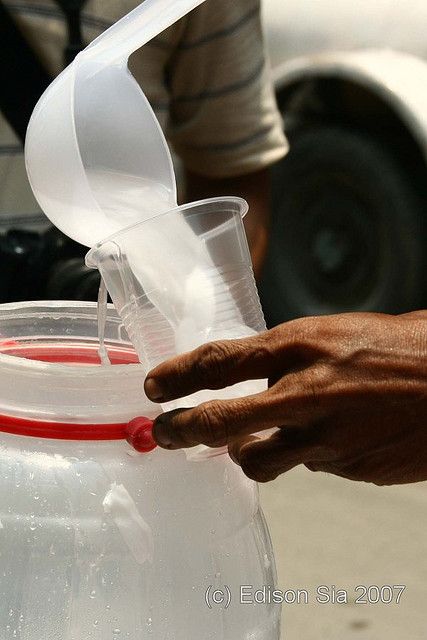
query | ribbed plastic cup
(182,279)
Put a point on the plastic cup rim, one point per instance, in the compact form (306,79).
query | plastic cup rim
(244,208)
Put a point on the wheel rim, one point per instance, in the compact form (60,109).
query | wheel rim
(333,244)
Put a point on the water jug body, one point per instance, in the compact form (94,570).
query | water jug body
(97,541)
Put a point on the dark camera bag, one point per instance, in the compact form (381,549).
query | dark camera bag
(37,265)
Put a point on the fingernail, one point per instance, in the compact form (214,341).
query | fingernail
(161,433)
(153,390)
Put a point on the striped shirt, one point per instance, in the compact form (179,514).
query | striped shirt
(206,77)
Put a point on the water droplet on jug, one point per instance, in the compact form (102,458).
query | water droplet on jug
(92,594)
(116,632)
(149,621)
(95,623)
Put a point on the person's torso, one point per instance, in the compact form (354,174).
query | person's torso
(44,25)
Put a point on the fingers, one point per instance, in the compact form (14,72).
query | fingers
(215,423)
(264,460)
(212,366)
(291,402)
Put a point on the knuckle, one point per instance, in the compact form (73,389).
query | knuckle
(212,424)
(318,388)
(212,363)
(307,338)
(262,351)
(314,389)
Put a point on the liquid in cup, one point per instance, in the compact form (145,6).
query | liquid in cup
(182,279)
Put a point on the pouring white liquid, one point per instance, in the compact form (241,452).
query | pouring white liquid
(102,319)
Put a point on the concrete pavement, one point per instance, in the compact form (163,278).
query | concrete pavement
(329,531)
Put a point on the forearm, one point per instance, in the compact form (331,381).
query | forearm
(256,189)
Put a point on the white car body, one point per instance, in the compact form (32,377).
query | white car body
(379,44)
(303,27)
(351,83)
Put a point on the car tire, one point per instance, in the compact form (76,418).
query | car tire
(348,229)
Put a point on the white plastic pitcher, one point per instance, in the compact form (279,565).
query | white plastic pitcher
(98,542)
(98,162)
(95,154)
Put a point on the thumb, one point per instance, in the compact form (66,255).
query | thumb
(264,459)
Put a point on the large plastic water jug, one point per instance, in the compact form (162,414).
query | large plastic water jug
(97,541)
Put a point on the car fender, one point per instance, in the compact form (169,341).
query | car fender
(399,79)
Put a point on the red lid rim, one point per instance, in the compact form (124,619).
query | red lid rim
(62,430)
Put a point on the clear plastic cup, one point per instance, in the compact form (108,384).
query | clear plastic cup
(182,278)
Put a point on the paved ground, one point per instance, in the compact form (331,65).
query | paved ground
(328,531)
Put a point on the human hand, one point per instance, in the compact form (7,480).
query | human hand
(348,393)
